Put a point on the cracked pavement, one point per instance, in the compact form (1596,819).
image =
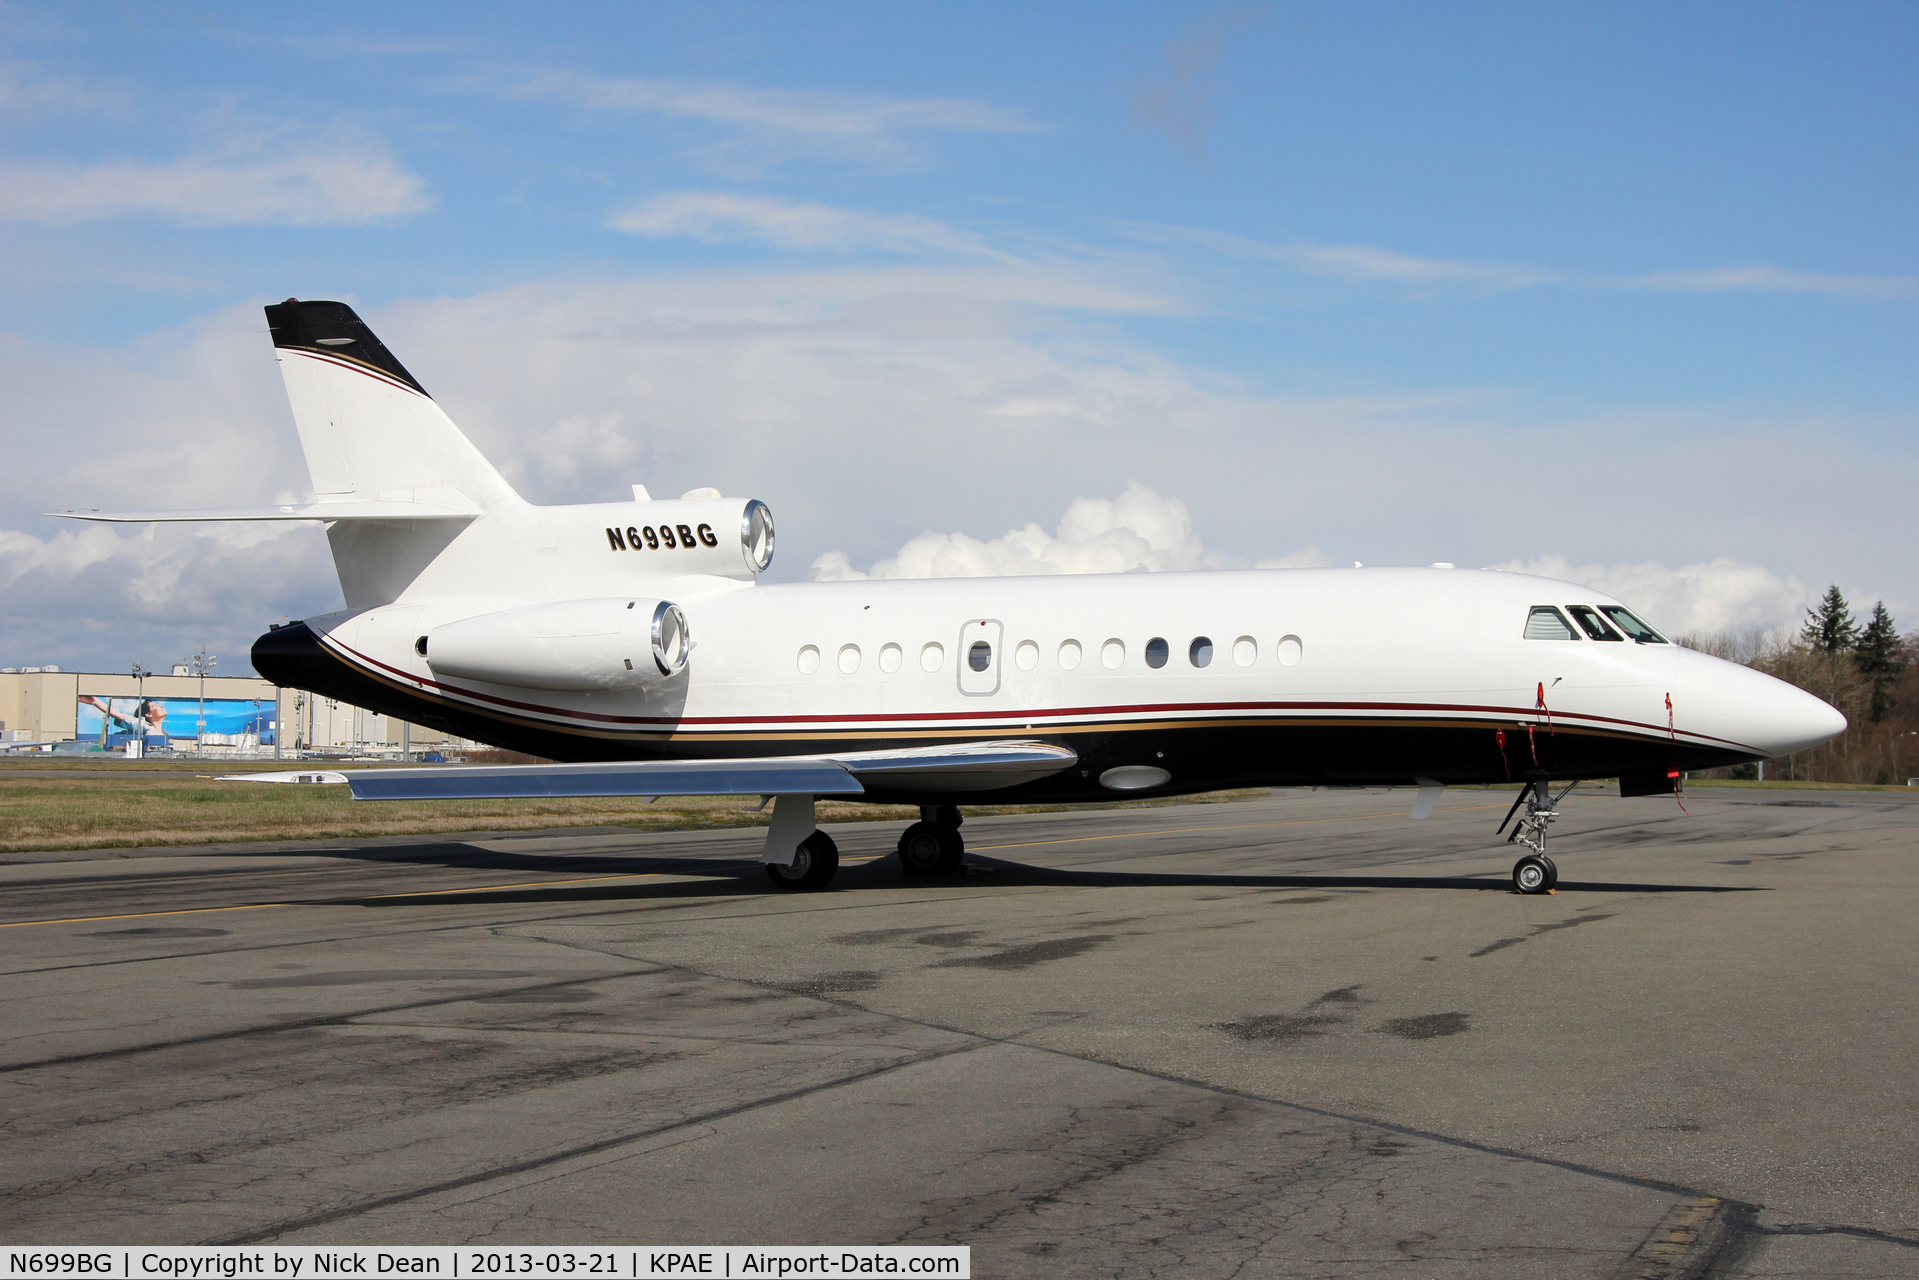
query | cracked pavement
(1295,1035)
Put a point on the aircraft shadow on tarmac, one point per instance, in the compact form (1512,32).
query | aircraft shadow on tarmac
(737,877)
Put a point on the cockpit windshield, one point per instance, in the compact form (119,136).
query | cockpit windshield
(1631,625)
(1591,623)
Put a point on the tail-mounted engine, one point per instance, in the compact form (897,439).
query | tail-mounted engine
(577,645)
(718,535)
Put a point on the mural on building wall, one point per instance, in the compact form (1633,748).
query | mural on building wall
(114,722)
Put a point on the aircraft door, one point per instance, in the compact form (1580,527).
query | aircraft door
(979,657)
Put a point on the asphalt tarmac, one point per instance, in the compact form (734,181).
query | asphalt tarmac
(1291,1036)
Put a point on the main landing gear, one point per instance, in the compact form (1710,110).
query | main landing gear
(815,862)
(1535,873)
(932,846)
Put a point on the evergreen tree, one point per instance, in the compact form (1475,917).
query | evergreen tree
(1830,628)
(1877,653)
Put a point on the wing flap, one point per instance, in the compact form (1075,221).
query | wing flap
(968,766)
(775,776)
(982,766)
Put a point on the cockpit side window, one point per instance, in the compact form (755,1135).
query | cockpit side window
(1591,623)
(1547,623)
(1631,625)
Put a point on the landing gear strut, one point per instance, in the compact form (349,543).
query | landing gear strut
(1535,873)
(932,846)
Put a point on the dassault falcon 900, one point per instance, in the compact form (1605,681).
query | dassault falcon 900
(631,641)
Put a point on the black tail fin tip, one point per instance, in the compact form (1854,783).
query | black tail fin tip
(332,329)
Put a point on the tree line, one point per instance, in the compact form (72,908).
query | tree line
(1863,667)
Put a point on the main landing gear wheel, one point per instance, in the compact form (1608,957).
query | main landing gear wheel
(933,846)
(1534,873)
(931,849)
(815,863)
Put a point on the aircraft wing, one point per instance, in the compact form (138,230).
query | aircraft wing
(981,766)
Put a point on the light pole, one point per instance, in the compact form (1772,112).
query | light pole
(203,662)
(139,674)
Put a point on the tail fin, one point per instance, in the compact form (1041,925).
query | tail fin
(368,427)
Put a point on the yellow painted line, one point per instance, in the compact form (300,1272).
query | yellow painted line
(530,884)
(1238,826)
(144,915)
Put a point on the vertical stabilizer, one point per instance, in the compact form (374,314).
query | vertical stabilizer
(368,427)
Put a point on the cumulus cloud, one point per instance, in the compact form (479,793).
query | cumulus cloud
(1139,530)
(182,418)
(98,597)
(1722,595)
(869,404)
(273,180)
(716,216)
(777,124)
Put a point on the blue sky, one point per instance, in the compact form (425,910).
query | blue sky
(1613,292)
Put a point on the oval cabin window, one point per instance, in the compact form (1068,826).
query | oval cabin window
(1026,657)
(809,660)
(979,655)
(1245,651)
(1112,653)
(1200,652)
(890,658)
(1069,655)
(1156,651)
(932,657)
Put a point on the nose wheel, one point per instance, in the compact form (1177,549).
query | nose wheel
(1535,873)
(932,846)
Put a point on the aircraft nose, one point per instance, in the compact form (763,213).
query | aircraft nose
(1755,710)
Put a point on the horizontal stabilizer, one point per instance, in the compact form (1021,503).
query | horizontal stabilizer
(981,766)
(374,510)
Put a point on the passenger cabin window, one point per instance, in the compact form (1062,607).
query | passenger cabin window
(1200,652)
(979,656)
(1548,623)
(1156,652)
(1631,625)
(1591,623)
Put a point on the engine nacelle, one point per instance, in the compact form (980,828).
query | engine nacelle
(576,645)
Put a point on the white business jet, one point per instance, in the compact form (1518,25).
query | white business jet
(632,640)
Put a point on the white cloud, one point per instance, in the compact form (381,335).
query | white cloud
(1310,558)
(776,124)
(719,216)
(866,405)
(1139,530)
(1369,262)
(1722,595)
(260,179)
(1774,280)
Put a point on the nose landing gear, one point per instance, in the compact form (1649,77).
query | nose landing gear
(1535,873)
(932,846)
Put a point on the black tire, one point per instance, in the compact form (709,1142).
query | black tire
(1533,874)
(815,863)
(1552,872)
(929,849)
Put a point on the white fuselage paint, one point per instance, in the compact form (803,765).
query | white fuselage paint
(782,667)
